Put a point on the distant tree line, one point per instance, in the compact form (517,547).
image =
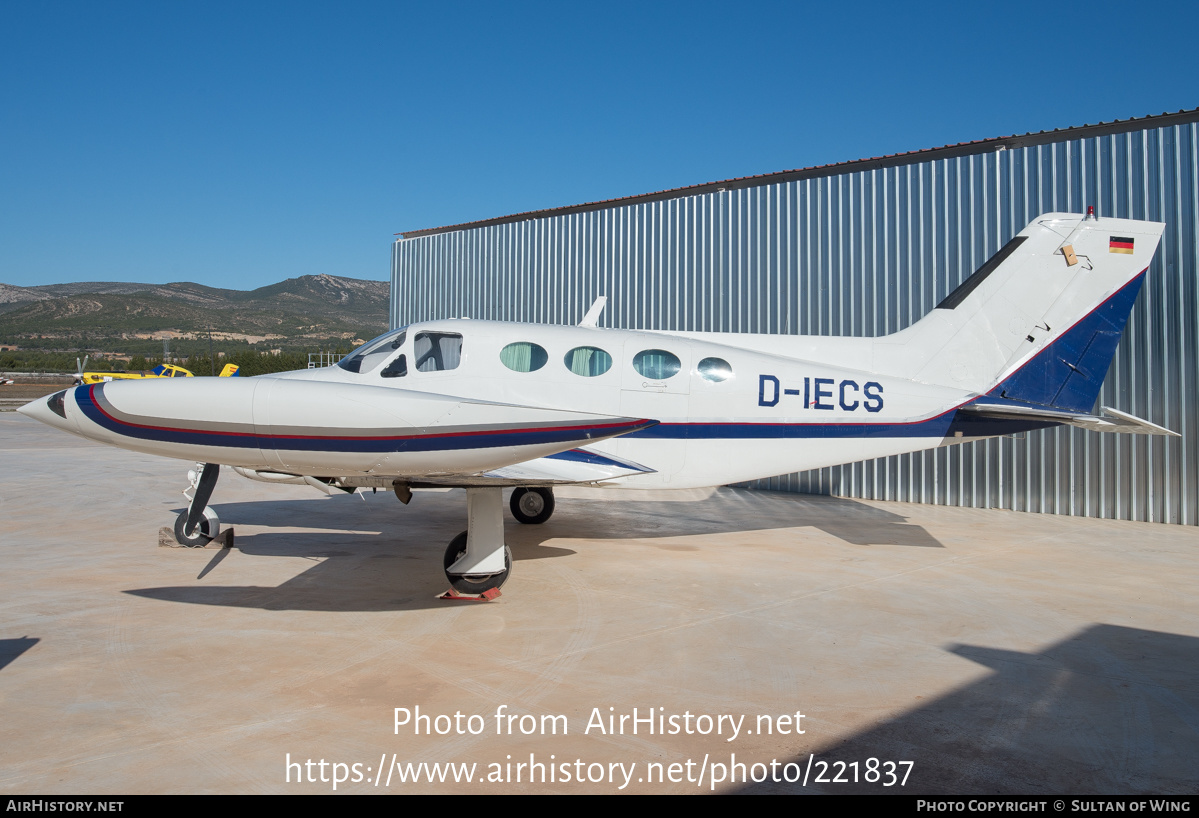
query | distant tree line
(250,362)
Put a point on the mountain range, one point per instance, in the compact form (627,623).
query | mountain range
(305,312)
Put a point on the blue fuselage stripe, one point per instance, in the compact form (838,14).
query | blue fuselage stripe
(935,427)
(412,443)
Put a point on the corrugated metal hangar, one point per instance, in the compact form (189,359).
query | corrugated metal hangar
(866,248)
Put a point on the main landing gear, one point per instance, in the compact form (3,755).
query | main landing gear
(477,560)
(532,506)
(199,524)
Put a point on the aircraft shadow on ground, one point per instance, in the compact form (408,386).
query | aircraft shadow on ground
(10,649)
(737,510)
(1108,710)
(386,556)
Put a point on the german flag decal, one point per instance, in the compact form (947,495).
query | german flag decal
(1119,244)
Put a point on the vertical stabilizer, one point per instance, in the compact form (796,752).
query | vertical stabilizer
(1038,322)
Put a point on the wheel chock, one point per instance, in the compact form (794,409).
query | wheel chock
(166,539)
(487,596)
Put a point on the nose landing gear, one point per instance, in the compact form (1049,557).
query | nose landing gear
(199,524)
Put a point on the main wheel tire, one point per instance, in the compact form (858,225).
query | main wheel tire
(204,532)
(473,585)
(532,506)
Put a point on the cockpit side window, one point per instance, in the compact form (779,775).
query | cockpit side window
(397,368)
(371,354)
(437,351)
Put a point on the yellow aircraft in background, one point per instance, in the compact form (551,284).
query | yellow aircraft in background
(160,371)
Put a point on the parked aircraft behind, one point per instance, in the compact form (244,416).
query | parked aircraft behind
(104,376)
(160,371)
(1024,343)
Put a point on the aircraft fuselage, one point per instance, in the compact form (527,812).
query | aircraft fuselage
(744,414)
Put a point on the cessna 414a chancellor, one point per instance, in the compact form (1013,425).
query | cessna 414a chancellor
(1024,343)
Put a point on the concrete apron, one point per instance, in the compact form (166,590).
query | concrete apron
(998,652)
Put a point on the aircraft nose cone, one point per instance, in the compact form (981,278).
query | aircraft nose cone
(40,410)
(35,409)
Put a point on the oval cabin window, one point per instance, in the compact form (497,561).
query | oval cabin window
(715,370)
(656,364)
(588,361)
(523,356)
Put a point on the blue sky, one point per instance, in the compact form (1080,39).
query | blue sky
(239,144)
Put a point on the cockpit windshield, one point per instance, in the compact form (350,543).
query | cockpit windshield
(372,353)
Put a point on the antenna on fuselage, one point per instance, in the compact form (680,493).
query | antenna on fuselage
(593,314)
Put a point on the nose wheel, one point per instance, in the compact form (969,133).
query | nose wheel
(532,506)
(204,532)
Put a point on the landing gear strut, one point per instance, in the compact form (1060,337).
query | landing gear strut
(532,506)
(477,560)
(200,525)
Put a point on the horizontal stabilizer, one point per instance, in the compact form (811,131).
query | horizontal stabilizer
(1110,420)
(1117,421)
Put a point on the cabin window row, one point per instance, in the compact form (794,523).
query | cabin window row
(656,364)
(441,351)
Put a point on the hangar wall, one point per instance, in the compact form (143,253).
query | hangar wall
(867,248)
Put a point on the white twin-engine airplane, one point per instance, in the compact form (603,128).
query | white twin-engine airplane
(1024,343)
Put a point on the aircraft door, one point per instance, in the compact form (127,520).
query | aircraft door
(655,378)
(655,383)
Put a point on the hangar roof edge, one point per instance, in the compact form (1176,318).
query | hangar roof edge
(890,160)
